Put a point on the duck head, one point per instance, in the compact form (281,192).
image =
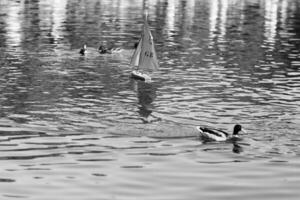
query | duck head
(101,47)
(237,129)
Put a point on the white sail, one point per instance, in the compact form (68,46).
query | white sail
(145,56)
(136,55)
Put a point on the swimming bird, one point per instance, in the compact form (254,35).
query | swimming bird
(104,50)
(212,134)
(83,50)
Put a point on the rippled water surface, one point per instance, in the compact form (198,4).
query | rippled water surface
(77,127)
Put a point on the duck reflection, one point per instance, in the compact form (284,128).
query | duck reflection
(237,148)
(146,93)
(237,145)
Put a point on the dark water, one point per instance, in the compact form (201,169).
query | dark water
(77,127)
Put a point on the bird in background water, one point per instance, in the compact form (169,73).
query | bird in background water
(83,50)
(103,50)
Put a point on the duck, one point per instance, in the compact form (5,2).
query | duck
(104,50)
(213,134)
(83,50)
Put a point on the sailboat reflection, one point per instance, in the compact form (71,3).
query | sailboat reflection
(146,93)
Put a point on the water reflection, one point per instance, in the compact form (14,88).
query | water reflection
(214,7)
(218,19)
(14,19)
(58,17)
(283,13)
(237,148)
(223,18)
(146,93)
(171,17)
(271,21)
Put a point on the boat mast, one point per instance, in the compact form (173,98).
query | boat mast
(145,16)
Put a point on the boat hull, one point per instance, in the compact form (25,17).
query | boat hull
(140,76)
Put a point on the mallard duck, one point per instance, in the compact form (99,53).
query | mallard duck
(213,134)
(83,50)
(103,50)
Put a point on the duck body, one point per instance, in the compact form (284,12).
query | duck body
(213,134)
(104,50)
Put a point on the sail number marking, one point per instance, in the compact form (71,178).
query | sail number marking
(149,54)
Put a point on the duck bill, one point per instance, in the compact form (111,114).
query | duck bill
(243,131)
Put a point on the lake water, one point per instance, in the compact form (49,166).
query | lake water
(77,127)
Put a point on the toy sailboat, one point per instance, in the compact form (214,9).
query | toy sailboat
(144,57)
